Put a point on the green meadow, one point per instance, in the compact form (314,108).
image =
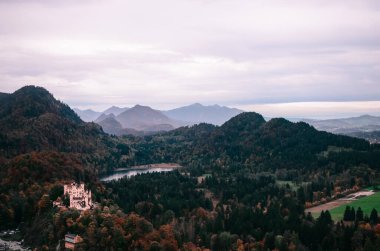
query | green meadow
(366,204)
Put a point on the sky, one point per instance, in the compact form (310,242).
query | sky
(290,58)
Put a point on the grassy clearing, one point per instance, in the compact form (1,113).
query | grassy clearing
(291,184)
(366,204)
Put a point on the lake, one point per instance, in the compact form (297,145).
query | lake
(118,174)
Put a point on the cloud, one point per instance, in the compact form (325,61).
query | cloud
(174,52)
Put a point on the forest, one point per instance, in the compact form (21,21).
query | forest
(243,186)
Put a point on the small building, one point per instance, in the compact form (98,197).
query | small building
(72,241)
(80,198)
(58,203)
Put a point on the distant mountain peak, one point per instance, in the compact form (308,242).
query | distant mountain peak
(104,116)
(138,106)
(197,104)
(115,110)
(144,118)
(198,113)
(87,115)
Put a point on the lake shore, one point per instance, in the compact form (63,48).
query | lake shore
(134,170)
(150,166)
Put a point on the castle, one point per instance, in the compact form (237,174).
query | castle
(79,197)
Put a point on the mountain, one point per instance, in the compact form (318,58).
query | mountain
(87,115)
(144,118)
(197,113)
(363,123)
(32,102)
(31,119)
(110,125)
(103,117)
(115,110)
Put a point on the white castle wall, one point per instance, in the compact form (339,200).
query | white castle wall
(80,198)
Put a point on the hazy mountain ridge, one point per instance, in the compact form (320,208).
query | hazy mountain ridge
(90,115)
(198,113)
(115,110)
(110,125)
(87,115)
(145,119)
(360,127)
(364,122)
(104,116)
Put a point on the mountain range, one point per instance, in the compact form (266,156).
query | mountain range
(141,120)
(31,119)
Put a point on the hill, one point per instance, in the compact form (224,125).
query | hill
(31,119)
(111,126)
(144,118)
(197,113)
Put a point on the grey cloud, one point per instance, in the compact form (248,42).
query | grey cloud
(174,52)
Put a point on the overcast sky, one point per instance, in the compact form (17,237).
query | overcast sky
(282,58)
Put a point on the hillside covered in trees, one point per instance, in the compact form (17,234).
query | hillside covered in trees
(31,119)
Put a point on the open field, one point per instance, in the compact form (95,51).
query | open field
(337,207)
(366,204)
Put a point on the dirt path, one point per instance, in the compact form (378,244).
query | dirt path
(327,206)
(336,203)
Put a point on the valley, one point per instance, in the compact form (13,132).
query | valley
(189,125)
(242,185)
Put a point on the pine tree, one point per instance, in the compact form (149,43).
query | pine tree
(352,214)
(347,212)
(373,217)
(328,219)
(359,215)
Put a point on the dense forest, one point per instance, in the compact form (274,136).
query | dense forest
(243,185)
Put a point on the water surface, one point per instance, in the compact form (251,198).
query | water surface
(118,174)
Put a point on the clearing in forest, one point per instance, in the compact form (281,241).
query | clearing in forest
(337,207)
